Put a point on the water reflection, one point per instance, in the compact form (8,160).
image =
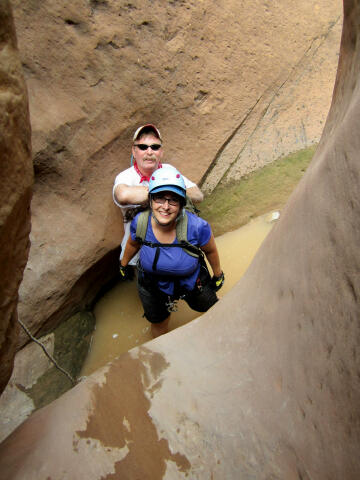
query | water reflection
(120,325)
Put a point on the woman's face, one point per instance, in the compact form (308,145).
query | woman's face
(165,207)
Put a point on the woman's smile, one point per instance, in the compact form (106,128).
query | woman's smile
(167,215)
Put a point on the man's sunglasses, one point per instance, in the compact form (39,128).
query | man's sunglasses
(143,146)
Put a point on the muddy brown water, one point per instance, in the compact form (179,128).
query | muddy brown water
(120,325)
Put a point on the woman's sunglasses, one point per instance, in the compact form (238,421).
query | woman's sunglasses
(143,146)
(162,200)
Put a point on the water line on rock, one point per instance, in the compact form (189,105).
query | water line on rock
(50,357)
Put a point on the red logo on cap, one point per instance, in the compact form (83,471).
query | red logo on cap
(152,178)
(177,176)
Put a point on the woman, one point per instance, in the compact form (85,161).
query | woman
(172,242)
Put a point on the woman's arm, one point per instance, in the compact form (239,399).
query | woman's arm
(131,249)
(212,255)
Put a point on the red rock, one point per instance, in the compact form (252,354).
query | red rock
(16,180)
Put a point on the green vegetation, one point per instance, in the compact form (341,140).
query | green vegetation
(232,205)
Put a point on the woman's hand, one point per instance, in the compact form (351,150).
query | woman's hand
(126,273)
(217,282)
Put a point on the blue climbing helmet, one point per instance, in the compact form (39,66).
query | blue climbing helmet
(167,179)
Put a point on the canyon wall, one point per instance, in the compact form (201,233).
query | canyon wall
(16,175)
(231,85)
(264,385)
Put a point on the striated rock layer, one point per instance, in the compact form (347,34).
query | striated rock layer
(231,85)
(15,193)
(264,385)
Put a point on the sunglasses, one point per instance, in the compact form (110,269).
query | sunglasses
(143,146)
(174,202)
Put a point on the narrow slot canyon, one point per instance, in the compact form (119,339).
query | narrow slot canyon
(266,383)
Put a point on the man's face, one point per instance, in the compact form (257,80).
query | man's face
(147,160)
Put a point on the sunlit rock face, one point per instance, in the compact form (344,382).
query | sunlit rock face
(264,385)
(15,190)
(230,84)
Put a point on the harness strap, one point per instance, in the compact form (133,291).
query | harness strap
(195,251)
(181,235)
(156,258)
(149,281)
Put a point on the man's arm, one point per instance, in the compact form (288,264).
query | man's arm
(126,195)
(195,194)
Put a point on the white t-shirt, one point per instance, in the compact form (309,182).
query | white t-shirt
(131,178)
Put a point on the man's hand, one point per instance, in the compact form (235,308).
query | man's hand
(195,194)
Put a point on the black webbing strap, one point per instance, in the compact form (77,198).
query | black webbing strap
(185,245)
(156,258)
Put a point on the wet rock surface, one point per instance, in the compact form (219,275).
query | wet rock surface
(36,381)
(212,76)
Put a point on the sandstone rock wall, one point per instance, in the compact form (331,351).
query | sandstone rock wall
(290,114)
(264,385)
(15,192)
(205,72)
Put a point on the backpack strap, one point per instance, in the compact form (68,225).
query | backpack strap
(181,235)
(181,228)
(142,225)
(190,207)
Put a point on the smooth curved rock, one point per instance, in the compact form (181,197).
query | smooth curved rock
(16,175)
(216,78)
(264,385)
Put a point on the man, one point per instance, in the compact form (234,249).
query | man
(131,187)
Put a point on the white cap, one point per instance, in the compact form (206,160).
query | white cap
(148,126)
